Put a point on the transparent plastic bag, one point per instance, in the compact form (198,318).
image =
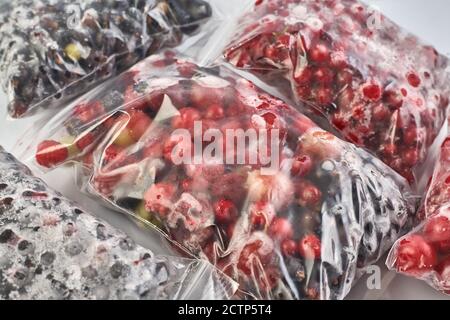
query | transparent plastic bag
(50,249)
(291,212)
(52,51)
(425,253)
(339,60)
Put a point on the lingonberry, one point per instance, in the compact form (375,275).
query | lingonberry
(309,247)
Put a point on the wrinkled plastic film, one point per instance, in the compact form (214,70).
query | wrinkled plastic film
(51,249)
(52,51)
(379,86)
(304,230)
(425,253)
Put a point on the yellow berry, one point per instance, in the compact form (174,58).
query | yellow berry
(73,51)
(124,139)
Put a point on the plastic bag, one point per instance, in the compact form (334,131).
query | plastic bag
(425,253)
(50,249)
(377,85)
(288,210)
(52,51)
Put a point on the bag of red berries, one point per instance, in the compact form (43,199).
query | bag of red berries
(233,175)
(52,51)
(425,253)
(377,85)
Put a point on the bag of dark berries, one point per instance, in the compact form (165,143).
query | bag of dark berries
(53,51)
(233,175)
(425,253)
(347,65)
(51,249)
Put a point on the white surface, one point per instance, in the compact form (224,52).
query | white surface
(427,18)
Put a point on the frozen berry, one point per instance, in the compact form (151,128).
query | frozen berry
(415,255)
(186,118)
(261,214)
(159,198)
(437,229)
(281,229)
(310,247)
(225,211)
(50,153)
(289,247)
(301,166)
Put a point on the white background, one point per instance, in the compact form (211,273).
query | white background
(429,19)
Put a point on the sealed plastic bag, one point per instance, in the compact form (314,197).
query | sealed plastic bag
(379,86)
(234,175)
(425,253)
(52,51)
(50,249)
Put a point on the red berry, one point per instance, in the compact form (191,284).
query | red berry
(389,149)
(214,112)
(393,99)
(301,166)
(411,157)
(443,270)
(111,153)
(410,136)
(281,229)
(138,124)
(415,255)
(85,141)
(413,79)
(380,112)
(319,53)
(344,77)
(88,111)
(323,75)
(186,118)
(261,214)
(323,95)
(50,153)
(159,198)
(289,247)
(437,229)
(310,247)
(225,211)
(372,91)
(303,77)
(308,194)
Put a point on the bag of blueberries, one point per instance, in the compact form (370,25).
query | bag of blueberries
(425,253)
(54,50)
(352,69)
(51,249)
(234,175)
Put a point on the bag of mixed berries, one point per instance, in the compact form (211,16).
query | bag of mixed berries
(425,253)
(233,175)
(377,85)
(50,249)
(52,51)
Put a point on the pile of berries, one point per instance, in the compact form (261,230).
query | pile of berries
(299,231)
(54,50)
(425,253)
(379,86)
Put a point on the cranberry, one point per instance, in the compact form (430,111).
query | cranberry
(261,214)
(372,91)
(323,75)
(214,112)
(289,247)
(411,157)
(380,112)
(309,247)
(413,79)
(225,211)
(415,255)
(393,99)
(301,166)
(303,77)
(319,53)
(308,194)
(281,229)
(159,198)
(186,118)
(437,229)
(50,153)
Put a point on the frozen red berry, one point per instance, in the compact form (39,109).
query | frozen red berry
(309,247)
(437,229)
(225,211)
(281,229)
(50,153)
(415,255)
